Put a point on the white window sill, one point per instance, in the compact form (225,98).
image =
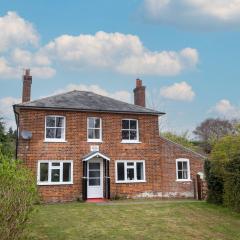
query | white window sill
(55,141)
(139,181)
(53,183)
(94,141)
(125,141)
(183,180)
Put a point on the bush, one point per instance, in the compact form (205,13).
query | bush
(17,196)
(215,184)
(232,184)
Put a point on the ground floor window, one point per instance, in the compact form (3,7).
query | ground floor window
(130,171)
(182,169)
(55,172)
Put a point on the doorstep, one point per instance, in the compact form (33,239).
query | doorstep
(96,200)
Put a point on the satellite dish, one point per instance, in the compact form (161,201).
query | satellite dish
(26,134)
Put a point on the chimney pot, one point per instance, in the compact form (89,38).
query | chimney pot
(27,82)
(139,93)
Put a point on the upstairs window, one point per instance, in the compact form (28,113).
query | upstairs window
(183,169)
(94,129)
(55,128)
(130,171)
(55,172)
(130,130)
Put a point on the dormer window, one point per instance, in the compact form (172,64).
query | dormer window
(130,132)
(94,129)
(55,129)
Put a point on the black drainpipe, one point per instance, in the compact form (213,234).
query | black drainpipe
(17,121)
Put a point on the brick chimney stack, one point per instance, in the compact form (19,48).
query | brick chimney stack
(139,94)
(27,82)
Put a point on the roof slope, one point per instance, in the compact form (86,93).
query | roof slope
(86,101)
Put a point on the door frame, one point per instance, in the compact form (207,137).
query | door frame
(100,187)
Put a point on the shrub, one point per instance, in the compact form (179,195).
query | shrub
(215,184)
(17,196)
(232,184)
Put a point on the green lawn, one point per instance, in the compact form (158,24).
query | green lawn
(134,220)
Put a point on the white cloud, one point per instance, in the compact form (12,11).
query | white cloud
(119,95)
(15,31)
(194,14)
(226,109)
(6,110)
(123,53)
(178,91)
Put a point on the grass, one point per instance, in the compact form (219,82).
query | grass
(134,220)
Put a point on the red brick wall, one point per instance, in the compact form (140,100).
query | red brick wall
(158,154)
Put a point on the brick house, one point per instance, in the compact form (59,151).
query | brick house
(83,145)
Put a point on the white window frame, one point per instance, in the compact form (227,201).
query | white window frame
(50,167)
(130,141)
(100,135)
(188,170)
(125,171)
(64,130)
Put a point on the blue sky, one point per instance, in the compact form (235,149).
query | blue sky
(186,52)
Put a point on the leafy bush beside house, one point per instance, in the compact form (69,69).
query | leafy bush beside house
(17,196)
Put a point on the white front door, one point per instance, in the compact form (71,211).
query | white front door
(95,178)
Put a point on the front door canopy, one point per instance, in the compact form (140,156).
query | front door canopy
(95,154)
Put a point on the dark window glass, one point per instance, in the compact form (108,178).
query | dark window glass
(133,135)
(91,133)
(179,165)
(50,132)
(125,134)
(139,171)
(97,123)
(94,166)
(94,182)
(55,175)
(43,172)
(130,164)
(125,124)
(59,132)
(94,173)
(59,122)
(55,164)
(97,133)
(66,172)
(185,174)
(50,121)
(120,172)
(180,175)
(130,174)
(133,124)
(91,122)
(184,165)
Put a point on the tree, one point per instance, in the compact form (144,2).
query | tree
(211,130)
(17,196)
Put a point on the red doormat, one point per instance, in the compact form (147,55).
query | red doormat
(96,200)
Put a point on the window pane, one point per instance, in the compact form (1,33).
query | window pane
(97,123)
(55,164)
(185,175)
(59,133)
(66,172)
(179,164)
(133,135)
(91,122)
(130,174)
(184,165)
(125,124)
(50,133)
(180,175)
(55,175)
(97,133)
(90,133)
(95,166)
(43,172)
(125,134)
(50,121)
(94,182)
(130,164)
(133,124)
(94,173)
(59,121)
(139,171)
(120,172)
